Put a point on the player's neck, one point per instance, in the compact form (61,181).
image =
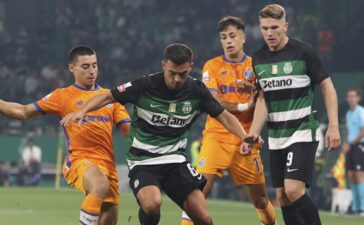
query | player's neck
(86,87)
(236,58)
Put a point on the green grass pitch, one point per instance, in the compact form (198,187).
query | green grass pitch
(45,206)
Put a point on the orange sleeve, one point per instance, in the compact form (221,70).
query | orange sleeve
(52,103)
(120,115)
(209,76)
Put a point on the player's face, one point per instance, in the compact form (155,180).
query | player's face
(85,70)
(352,98)
(274,32)
(232,40)
(175,75)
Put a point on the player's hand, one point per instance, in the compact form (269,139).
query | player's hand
(332,138)
(245,86)
(253,139)
(246,148)
(345,148)
(70,118)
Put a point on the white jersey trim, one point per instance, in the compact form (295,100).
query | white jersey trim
(298,136)
(158,160)
(159,149)
(289,115)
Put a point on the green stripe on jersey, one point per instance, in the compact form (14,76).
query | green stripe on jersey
(284,68)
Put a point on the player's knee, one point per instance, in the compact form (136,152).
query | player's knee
(102,188)
(261,202)
(202,219)
(152,205)
(293,193)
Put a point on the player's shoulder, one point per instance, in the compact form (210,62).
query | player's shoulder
(301,45)
(216,61)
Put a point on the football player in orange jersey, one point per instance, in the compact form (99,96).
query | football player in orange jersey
(89,165)
(230,79)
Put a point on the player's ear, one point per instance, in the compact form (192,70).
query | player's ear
(163,64)
(70,67)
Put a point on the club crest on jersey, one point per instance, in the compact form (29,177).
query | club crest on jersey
(288,68)
(202,162)
(248,73)
(186,107)
(205,77)
(123,87)
(224,72)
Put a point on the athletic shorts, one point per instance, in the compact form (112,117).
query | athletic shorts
(73,174)
(355,158)
(177,180)
(295,162)
(215,157)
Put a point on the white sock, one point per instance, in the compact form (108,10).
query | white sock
(185,216)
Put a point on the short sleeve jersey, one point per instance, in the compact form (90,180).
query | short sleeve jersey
(162,118)
(355,123)
(93,140)
(287,78)
(220,76)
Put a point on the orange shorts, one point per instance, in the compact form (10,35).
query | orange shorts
(215,157)
(73,174)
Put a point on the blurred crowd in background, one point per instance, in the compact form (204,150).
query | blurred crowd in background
(130,35)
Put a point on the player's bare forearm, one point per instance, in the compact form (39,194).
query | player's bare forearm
(17,111)
(260,115)
(124,129)
(234,107)
(98,102)
(330,99)
(231,123)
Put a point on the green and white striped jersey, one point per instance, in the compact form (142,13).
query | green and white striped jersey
(162,118)
(287,78)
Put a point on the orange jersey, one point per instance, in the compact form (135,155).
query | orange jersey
(93,140)
(220,76)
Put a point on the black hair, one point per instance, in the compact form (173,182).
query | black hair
(178,53)
(79,51)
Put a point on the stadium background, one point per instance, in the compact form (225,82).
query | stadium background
(129,37)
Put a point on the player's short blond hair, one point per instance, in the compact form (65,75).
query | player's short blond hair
(274,11)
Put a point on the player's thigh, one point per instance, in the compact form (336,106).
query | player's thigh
(145,184)
(182,179)
(246,169)
(74,173)
(195,205)
(300,162)
(94,179)
(109,214)
(214,156)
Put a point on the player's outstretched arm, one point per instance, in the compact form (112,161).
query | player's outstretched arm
(332,137)
(18,111)
(93,104)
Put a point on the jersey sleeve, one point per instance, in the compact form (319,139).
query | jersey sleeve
(209,104)
(120,115)
(128,92)
(361,115)
(52,103)
(314,66)
(209,76)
